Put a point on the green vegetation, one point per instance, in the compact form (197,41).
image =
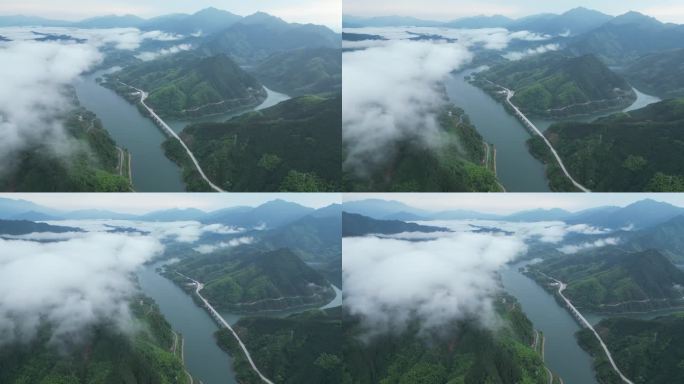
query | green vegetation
(293,146)
(22,227)
(646,351)
(247,279)
(90,165)
(299,72)
(641,150)
(457,165)
(299,349)
(554,85)
(666,237)
(611,280)
(466,353)
(659,73)
(358,225)
(104,356)
(186,86)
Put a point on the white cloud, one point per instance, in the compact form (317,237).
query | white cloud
(574,248)
(70,284)
(147,56)
(209,248)
(517,55)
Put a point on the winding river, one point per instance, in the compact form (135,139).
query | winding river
(203,358)
(517,169)
(152,171)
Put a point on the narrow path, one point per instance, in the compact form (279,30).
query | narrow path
(528,123)
(172,133)
(218,317)
(583,321)
(121,160)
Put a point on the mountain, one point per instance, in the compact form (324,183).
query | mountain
(187,214)
(271,214)
(659,73)
(632,151)
(30,21)
(667,237)
(10,208)
(293,146)
(96,214)
(647,351)
(248,279)
(304,348)
(379,209)
(258,36)
(555,214)
(639,215)
(111,21)
(474,22)
(185,85)
(358,225)
(555,85)
(627,37)
(613,281)
(386,21)
(305,71)
(573,22)
(207,21)
(23,227)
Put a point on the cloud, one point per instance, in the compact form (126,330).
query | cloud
(147,56)
(517,55)
(70,284)
(389,282)
(33,94)
(574,248)
(209,248)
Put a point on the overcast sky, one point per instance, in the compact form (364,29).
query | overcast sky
(664,10)
(147,202)
(515,202)
(327,12)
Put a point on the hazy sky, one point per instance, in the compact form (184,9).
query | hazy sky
(664,10)
(514,202)
(325,12)
(147,202)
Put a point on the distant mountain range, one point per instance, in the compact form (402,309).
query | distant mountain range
(641,214)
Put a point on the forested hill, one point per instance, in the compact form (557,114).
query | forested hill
(639,150)
(659,73)
(187,85)
(557,85)
(358,225)
(304,71)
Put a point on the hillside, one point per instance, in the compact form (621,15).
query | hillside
(358,225)
(614,281)
(306,71)
(464,353)
(298,349)
(249,279)
(22,227)
(647,351)
(667,237)
(258,36)
(105,356)
(555,85)
(628,36)
(659,73)
(91,166)
(185,85)
(293,146)
(462,163)
(639,150)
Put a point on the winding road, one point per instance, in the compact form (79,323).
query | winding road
(172,133)
(219,318)
(587,324)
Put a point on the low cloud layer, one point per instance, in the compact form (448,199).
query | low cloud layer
(69,284)
(147,56)
(574,248)
(209,248)
(518,55)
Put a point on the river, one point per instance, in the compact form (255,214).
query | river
(563,355)
(517,169)
(152,171)
(203,358)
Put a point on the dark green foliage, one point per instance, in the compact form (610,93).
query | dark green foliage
(640,150)
(299,72)
(667,237)
(659,73)
(248,279)
(646,351)
(299,349)
(90,166)
(555,85)
(358,225)
(101,356)
(461,353)
(614,280)
(22,227)
(293,146)
(186,85)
